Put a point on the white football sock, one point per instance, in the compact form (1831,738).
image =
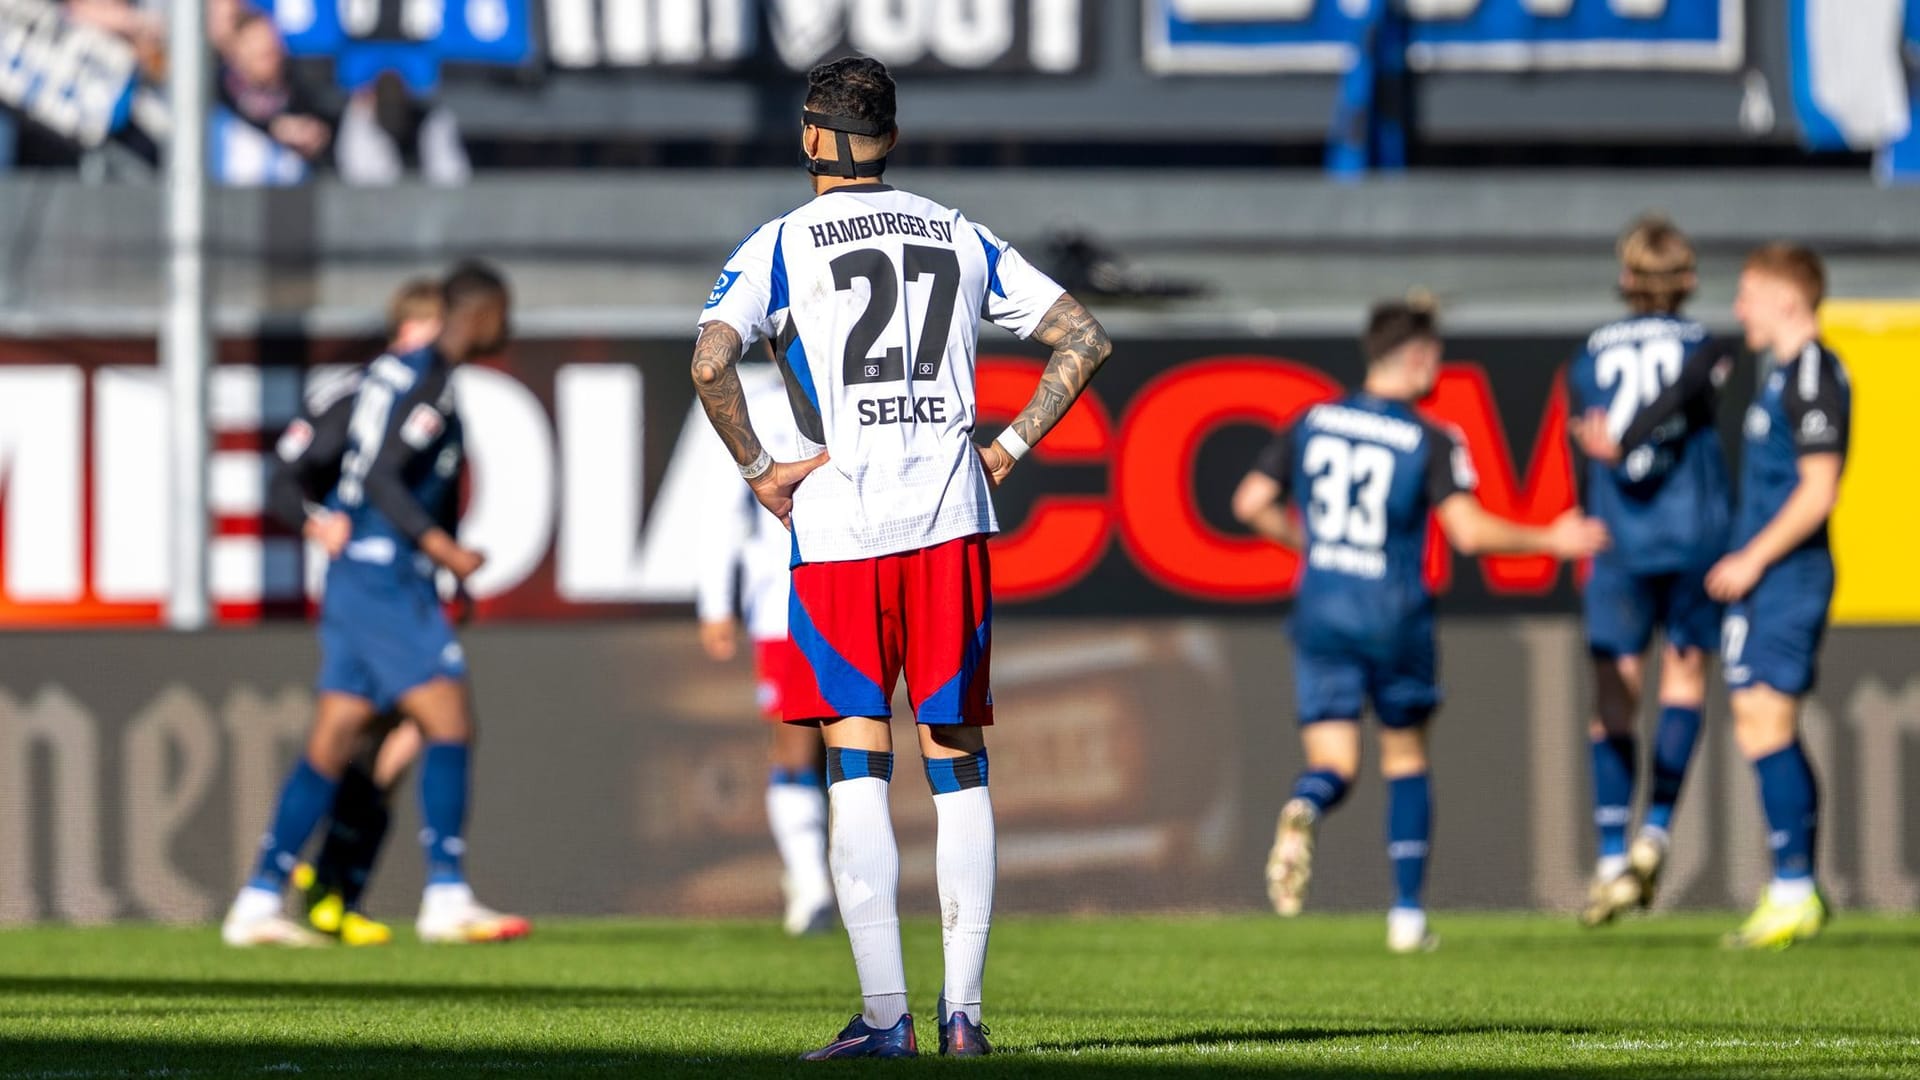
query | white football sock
(1787,891)
(798,816)
(866,880)
(1609,867)
(1409,923)
(964,865)
(448,895)
(254,904)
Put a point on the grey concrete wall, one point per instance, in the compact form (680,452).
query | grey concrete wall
(635,253)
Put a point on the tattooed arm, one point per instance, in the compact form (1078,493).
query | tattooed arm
(716,377)
(1080,345)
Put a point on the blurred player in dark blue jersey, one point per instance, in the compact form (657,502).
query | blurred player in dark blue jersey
(1778,580)
(1644,391)
(385,639)
(300,496)
(1366,472)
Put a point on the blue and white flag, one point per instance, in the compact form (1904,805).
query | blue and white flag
(75,80)
(1850,87)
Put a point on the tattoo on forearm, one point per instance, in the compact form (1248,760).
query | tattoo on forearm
(716,377)
(1080,345)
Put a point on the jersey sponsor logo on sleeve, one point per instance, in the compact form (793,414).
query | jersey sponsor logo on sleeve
(1464,476)
(423,425)
(295,440)
(1815,427)
(721,285)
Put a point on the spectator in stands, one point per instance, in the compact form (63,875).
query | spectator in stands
(255,83)
(223,22)
(387,133)
(142,27)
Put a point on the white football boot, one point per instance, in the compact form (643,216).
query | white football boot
(1290,863)
(258,917)
(1407,931)
(449,915)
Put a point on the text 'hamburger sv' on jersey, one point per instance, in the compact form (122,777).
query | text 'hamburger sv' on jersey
(871,298)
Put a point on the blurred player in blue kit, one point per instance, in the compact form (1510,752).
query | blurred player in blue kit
(745,579)
(1777,581)
(300,496)
(386,643)
(1644,392)
(1366,472)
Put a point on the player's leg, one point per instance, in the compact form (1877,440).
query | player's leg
(362,817)
(848,650)
(1404,767)
(797,813)
(1765,727)
(1406,694)
(1621,610)
(948,610)
(1683,678)
(1329,696)
(1617,687)
(359,822)
(1771,643)
(965,865)
(1613,752)
(449,912)
(796,798)
(440,707)
(256,917)
(398,751)
(1693,633)
(865,859)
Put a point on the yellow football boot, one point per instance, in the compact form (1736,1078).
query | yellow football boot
(326,911)
(1777,926)
(357,929)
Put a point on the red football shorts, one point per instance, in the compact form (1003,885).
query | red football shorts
(773,658)
(857,625)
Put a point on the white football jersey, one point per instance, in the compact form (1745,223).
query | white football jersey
(871,298)
(745,552)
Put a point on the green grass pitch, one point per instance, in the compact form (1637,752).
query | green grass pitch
(1149,997)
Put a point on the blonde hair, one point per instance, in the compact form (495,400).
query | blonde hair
(1657,266)
(419,298)
(1795,264)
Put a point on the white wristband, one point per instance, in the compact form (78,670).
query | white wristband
(758,468)
(1011,444)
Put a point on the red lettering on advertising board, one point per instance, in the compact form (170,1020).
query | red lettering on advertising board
(1064,536)
(1153,473)
(1464,399)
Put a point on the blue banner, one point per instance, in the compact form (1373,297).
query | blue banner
(411,38)
(1281,36)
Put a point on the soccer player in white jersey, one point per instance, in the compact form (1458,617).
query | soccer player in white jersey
(744,578)
(870,296)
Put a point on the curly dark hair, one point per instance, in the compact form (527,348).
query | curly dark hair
(472,279)
(856,87)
